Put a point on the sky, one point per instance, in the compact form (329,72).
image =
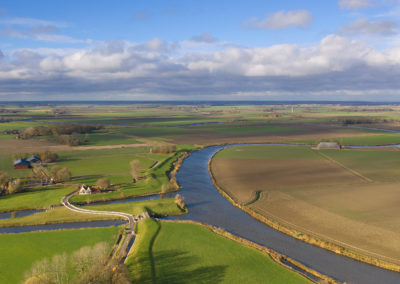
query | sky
(200,50)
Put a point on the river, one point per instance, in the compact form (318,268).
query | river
(207,205)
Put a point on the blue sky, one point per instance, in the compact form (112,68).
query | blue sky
(262,50)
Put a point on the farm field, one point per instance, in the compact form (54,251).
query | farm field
(187,253)
(20,251)
(349,199)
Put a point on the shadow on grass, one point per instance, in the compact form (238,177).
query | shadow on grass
(178,267)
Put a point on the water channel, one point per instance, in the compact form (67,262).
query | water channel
(207,205)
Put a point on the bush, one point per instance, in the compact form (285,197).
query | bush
(63,175)
(180,201)
(103,183)
(14,186)
(48,157)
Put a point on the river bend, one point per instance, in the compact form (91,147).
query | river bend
(207,205)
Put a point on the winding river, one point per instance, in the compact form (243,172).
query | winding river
(207,205)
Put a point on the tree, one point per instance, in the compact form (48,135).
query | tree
(135,170)
(103,183)
(4,180)
(14,186)
(54,170)
(180,201)
(63,175)
(39,172)
(48,157)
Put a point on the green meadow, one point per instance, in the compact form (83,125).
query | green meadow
(20,251)
(168,252)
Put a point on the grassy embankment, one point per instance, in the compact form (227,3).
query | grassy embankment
(323,213)
(63,215)
(169,252)
(20,251)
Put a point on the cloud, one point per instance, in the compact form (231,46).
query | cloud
(139,16)
(29,22)
(206,38)
(36,29)
(336,67)
(354,4)
(364,26)
(281,20)
(43,29)
(13,33)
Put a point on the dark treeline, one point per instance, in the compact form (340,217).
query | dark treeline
(66,133)
(350,121)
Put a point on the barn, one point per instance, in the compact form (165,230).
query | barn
(328,145)
(34,159)
(22,164)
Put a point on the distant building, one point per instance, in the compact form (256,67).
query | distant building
(22,164)
(34,159)
(328,145)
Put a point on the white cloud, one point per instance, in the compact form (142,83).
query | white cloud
(364,26)
(354,4)
(31,22)
(335,65)
(281,20)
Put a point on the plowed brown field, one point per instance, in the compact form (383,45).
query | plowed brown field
(315,196)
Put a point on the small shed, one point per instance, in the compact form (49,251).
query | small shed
(34,159)
(328,145)
(22,164)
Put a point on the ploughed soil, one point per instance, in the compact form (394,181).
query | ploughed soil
(320,198)
(242,178)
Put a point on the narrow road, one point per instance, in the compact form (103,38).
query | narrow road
(129,231)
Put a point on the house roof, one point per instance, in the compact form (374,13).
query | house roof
(34,158)
(21,162)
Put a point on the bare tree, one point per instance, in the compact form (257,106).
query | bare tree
(39,172)
(103,183)
(14,186)
(180,201)
(63,175)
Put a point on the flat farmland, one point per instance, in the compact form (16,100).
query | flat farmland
(274,167)
(326,198)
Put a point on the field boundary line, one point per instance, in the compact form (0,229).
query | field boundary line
(344,167)
(300,228)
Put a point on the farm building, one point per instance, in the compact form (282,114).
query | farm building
(328,145)
(22,164)
(85,189)
(34,159)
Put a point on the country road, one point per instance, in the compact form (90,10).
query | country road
(130,232)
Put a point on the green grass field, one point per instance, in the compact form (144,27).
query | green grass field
(20,251)
(187,253)
(158,206)
(36,199)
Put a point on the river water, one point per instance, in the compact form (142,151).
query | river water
(207,205)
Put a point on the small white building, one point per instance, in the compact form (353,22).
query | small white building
(328,145)
(83,190)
